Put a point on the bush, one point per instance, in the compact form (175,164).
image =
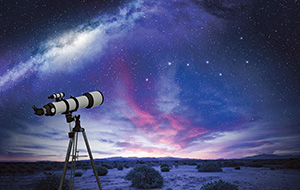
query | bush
(107,166)
(48,168)
(102,171)
(293,164)
(219,185)
(165,169)
(164,165)
(120,167)
(255,165)
(49,183)
(145,177)
(210,167)
(237,167)
(78,174)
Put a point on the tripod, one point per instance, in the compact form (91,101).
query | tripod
(73,135)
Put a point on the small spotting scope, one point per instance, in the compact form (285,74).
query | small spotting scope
(62,106)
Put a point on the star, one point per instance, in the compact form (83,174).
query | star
(169,63)
(207,62)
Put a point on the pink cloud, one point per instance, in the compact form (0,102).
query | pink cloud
(169,129)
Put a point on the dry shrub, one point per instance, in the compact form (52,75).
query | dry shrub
(145,177)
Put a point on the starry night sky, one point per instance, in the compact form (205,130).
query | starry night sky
(201,79)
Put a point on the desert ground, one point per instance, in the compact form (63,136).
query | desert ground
(183,175)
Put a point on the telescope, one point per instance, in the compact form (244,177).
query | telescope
(63,106)
(67,107)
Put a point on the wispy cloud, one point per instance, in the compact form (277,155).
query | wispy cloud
(258,137)
(69,51)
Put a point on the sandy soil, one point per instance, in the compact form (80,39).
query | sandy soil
(187,177)
(181,178)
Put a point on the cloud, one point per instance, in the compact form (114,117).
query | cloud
(156,129)
(223,9)
(256,138)
(69,51)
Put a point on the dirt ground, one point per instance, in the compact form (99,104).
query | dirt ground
(181,178)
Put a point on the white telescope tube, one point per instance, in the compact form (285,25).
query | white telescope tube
(87,100)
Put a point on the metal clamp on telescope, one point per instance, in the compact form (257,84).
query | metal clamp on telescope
(67,107)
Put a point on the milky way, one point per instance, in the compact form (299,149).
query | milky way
(198,79)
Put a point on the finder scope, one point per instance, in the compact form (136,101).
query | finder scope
(58,95)
(63,106)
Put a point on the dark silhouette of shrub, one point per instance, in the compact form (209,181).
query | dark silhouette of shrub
(102,171)
(30,171)
(293,164)
(219,185)
(48,168)
(78,174)
(210,167)
(49,183)
(120,167)
(256,165)
(164,165)
(145,177)
(237,167)
(107,166)
(165,169)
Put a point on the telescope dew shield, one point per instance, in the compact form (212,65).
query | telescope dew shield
(87,100)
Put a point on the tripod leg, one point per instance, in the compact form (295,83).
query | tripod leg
(74,159)
(92,160)
(66,164)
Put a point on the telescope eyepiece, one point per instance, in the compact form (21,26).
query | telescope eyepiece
(38,111)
